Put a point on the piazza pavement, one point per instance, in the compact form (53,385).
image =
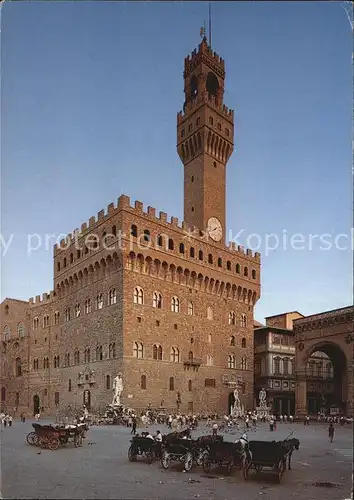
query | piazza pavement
(100,469)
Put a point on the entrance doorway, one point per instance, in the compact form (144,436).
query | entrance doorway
(36,404)
(87,399)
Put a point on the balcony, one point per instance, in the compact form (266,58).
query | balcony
(192,362)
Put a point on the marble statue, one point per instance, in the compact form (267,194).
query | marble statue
(237,403)
(117,389)
(262,398)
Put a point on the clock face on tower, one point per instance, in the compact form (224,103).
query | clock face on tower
(214,229)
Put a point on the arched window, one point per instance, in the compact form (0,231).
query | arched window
(7,332)
(210,258)
(190,356)
(228,265)
(87,306)
(99,353)
(78,254)
(69,385)
(201,256)
(21,330)
(18,367)
(87,355)
(134,231)
(67,359)
(108,382)
(243,342)
(181,248)
(58,266)
(146,236)
(77,310)
(138,295)
(175,304)
(220,262)
(243,321)
(112,296)
(238,268)
(3,394)
(243,363)
(114,230)
(191,252)
(245,271)
(77,357)
(174,355)
(171,245)
(285,366)
(56,361)
(254,274)
(56,317)
(189,385)
(64,261)
(232,340)
(157,300)
(138,350)
(67,314)
(209,360)
(172,384)
(276,366)
(71,258)
(190,308)
(46,362)
(157,352)
(35,323)
(231,361)
(210,313)
(211,121)
(143,382)
(35,364)
(209,338)
(99,301)
(232,318)
(112,350)
(45,321)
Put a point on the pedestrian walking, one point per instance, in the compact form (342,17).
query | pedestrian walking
(10,420)
(215,429)
(133,431)
(331,432)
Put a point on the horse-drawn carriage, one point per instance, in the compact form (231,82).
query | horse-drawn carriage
(226,454)
(271,456)
(178,446)
(51,437)
(144,446)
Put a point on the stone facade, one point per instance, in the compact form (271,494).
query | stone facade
(331,333)
(169,305)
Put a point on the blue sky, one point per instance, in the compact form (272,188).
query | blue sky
(90,92)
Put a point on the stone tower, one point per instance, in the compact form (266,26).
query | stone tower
(205,132)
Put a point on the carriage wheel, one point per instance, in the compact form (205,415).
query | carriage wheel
(43,442)
(149,457)
(32,438)
(165,460)
(53,443)
(280,470)
(188,461)
(206,463)
(131,454)
(200,457)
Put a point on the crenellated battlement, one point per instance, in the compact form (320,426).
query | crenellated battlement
(41,299)
(137,208)
(211,101)
(204,51)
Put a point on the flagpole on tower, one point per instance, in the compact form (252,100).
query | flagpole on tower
(210,24)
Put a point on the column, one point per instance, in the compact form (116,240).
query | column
(288,412)
(301,399)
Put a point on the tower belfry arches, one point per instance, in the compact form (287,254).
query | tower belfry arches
(205,131)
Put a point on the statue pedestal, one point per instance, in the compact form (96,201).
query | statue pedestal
(263,411)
